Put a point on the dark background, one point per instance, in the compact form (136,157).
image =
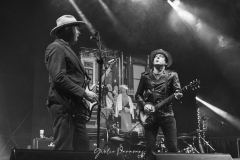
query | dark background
(24,35)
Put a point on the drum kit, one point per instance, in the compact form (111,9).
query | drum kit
(189,139)
(131,140)
(191,146)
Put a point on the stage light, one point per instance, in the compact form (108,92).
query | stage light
(175,2)
(234,121)
(188,18)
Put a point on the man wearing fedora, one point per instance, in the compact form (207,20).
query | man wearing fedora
(155,85)
(66,78)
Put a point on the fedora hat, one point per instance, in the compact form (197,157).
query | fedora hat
(165,53)
(64,21)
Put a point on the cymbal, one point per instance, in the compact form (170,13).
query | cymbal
(117,139)
(197,131)
(182,134)
(139,144)
(185,137)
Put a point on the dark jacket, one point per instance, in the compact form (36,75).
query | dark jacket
(152,90)
(66,72)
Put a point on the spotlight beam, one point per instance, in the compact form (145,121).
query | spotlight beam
(89,25)
(234,121)
(108,12)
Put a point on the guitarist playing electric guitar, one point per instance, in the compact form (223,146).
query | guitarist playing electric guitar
(155,85)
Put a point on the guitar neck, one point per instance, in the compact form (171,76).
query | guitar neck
(107,71)
(168,99)
(105,75)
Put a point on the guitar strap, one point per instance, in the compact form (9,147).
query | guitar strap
(166,82)
(87,76)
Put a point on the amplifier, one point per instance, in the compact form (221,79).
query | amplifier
(43,143)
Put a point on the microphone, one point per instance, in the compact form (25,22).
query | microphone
(95,37)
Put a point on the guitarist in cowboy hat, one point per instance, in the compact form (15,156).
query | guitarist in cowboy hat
(153,88)
(66,78)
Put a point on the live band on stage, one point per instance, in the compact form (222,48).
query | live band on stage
(120,80)
(124,126)
(122,123)
(98,96)
(126,129)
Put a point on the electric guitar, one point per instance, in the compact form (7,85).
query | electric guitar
(147,118)
(88,107)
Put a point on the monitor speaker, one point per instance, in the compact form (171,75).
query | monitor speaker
(192,156)
(35,154)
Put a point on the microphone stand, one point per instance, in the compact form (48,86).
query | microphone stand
(130,132)
(96,38)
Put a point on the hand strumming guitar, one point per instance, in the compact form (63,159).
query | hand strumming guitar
(148,108)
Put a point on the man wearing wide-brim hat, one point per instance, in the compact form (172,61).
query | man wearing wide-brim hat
(155,85)
(66,78)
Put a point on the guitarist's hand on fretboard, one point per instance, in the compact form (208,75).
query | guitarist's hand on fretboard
(178,95)
(90,96)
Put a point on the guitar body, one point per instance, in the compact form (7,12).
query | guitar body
(88,106)
(148,118)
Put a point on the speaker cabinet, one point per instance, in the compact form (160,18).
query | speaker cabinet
(192,156)
(43,143)
(33,154)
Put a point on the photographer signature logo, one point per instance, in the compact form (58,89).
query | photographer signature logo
(120,150)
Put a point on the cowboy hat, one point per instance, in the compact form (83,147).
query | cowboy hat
(64,21)
(165,53)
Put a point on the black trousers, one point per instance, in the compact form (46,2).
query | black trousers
(68,135)
(168,126)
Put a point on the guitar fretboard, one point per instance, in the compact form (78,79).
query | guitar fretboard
(168,99)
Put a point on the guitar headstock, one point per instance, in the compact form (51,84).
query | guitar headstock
(195,84)
(112,63)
